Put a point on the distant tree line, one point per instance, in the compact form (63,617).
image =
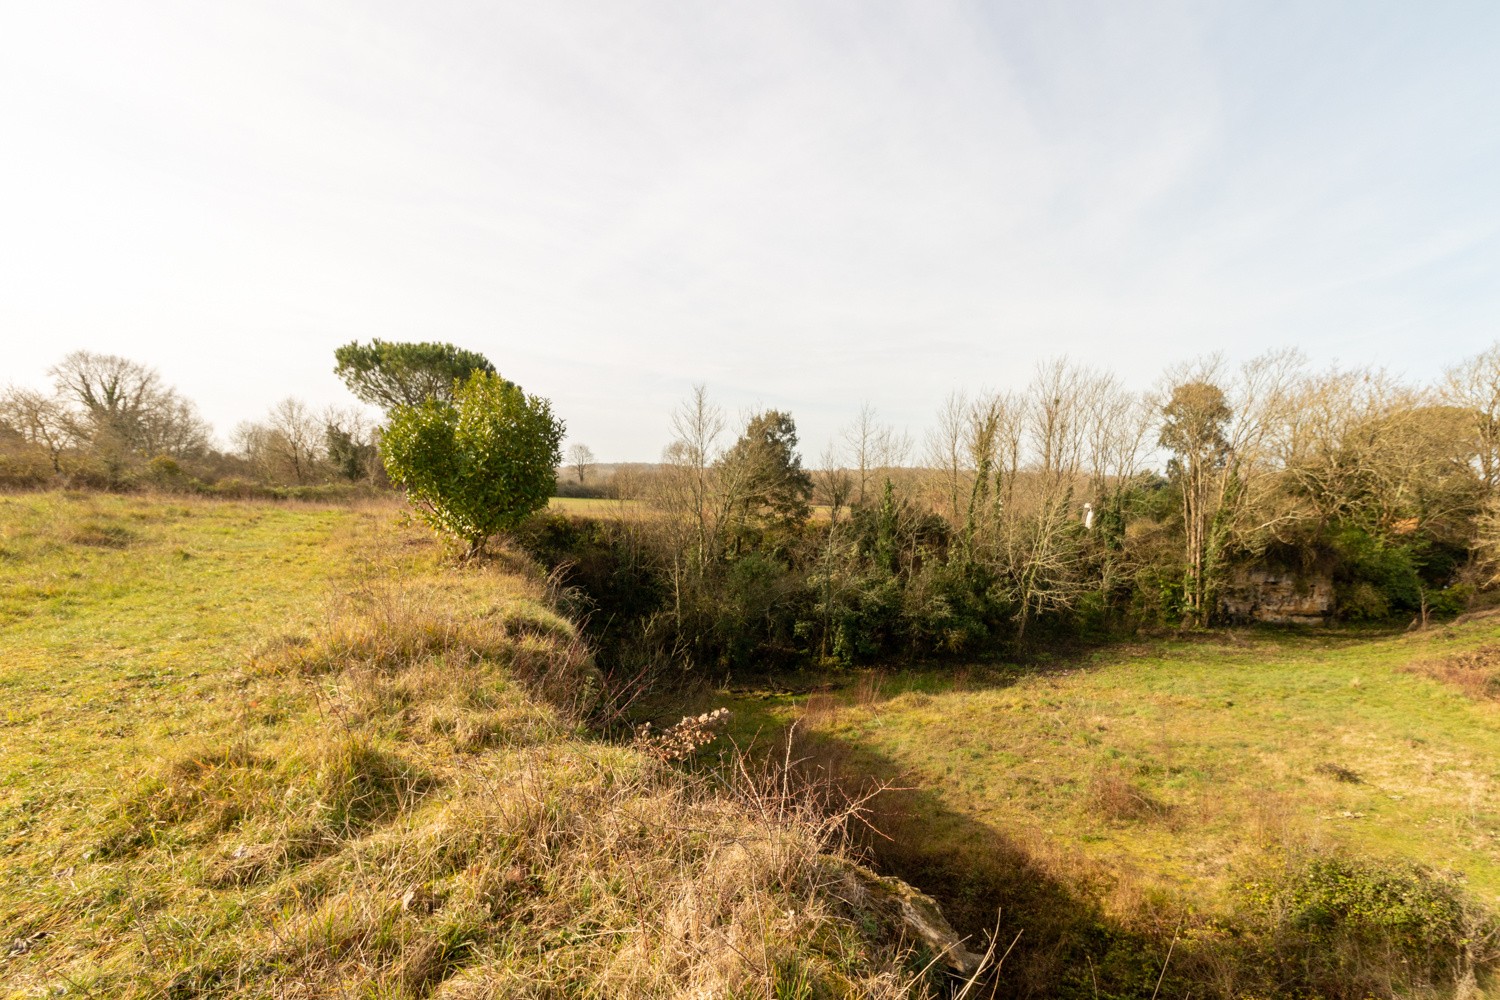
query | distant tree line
(113,423)
(472,451)
(1073,506)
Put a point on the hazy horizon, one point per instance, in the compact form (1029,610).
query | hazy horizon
(804,206)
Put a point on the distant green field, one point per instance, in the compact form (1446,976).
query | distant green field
(593,506)
(604,507)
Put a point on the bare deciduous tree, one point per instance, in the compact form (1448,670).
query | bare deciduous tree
(39,420)
(298,437)
(686,535)
(1043,543)
(1118,422)
(872,446)
(698,424)
(123,407)
(946,455)
(288,446)
(1474,387)
(172,427)
(581,461)
(1013,467)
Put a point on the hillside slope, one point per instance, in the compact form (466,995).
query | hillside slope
(280,750)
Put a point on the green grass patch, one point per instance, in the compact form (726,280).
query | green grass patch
(253,749)
(593,506)
(1113,804)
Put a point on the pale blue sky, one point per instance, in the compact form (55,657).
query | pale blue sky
(804,205)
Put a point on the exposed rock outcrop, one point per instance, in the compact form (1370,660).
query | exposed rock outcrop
(914,913)
(1263,594)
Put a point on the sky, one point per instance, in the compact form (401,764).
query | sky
(804,205)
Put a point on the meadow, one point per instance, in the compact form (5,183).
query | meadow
(291,749)
(593,506)
(1171,796)
(284,749)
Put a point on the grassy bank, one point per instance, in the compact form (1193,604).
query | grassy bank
(253,749)
(1179,795)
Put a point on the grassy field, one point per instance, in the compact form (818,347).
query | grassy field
(1145,788)
(286,750)
(279,749)
(593,506)
(124,624)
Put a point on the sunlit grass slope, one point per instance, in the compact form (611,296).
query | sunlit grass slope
(288,750)
(1225,746)
(1152,789)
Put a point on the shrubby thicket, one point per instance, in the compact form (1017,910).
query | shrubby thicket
(1071,508)
(1074,508)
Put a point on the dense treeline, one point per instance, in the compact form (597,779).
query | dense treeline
(1074,507)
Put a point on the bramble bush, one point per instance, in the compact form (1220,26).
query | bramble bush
(1349,927)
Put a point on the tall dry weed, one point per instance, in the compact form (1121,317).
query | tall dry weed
(1475,672)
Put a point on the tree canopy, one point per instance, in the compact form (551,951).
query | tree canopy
(388,374)
(764,471)
(123,407)
(1193,421)
(477,464)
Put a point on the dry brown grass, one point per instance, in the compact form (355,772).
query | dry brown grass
(821,708)
(1117,799)
(105,536)
(382,629)
(1475,672)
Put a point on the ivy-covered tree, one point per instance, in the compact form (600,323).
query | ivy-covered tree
(1193,429)
(763,473)
(478,464)
(388,375)
(348,444)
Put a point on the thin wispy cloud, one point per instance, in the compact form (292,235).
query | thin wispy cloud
(804,205)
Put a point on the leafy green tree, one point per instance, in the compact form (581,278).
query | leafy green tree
(479,464)
(763,473)
(389,375)
(351,456)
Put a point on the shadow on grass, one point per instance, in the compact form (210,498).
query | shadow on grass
(987,881)
(872,686)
